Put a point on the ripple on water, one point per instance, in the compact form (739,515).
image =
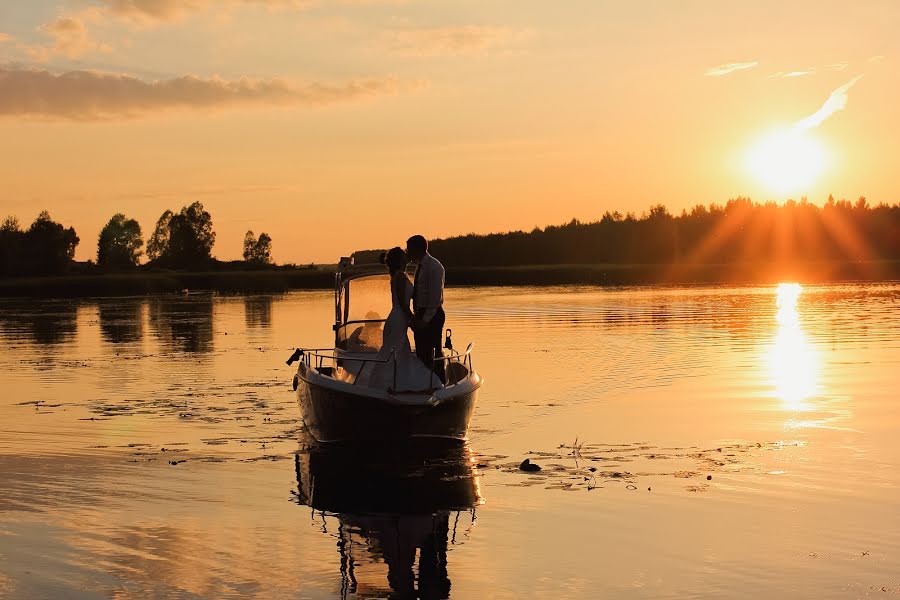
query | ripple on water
(151,446)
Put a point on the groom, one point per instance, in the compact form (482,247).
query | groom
(428,301)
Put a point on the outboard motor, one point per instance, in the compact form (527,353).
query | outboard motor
(297,355)
(448,341)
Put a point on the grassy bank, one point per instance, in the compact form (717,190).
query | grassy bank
(140,284)
(282,279)
(616,274)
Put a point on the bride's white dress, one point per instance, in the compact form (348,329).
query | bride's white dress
(412,374)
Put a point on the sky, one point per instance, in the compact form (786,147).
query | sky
(335,125)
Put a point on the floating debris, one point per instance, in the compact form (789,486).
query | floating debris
(528,466)
(585,466)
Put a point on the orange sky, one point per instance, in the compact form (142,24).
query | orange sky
(335,125)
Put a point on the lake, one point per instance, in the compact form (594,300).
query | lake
(703,442)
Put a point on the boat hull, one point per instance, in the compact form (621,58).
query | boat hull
(339,412)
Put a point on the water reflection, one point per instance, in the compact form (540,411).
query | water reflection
(183,323)
(101,511)
(258,311)
(387,506)
(121,321)
(43,323)
(793,361)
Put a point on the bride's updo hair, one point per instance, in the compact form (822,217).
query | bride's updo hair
(395,259)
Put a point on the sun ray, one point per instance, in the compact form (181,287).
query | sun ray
(850,240)
(736,215)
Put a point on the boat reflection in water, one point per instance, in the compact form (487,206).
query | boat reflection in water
(387,505)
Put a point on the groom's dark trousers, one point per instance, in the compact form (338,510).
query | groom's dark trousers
(429,343)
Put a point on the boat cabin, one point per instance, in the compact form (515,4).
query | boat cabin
(362,303)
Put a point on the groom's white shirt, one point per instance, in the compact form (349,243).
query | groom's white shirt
(430,288)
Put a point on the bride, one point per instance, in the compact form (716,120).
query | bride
(412,374)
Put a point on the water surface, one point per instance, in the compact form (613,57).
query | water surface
(694,442)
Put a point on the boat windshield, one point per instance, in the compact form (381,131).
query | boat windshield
(366,302)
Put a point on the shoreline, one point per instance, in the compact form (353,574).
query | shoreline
(283,280)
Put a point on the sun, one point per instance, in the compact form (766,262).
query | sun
(787,161)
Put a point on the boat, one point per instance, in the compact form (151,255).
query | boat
(335,408)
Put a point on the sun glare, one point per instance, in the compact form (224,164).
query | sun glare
(787,160)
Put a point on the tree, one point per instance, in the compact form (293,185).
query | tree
(11,223)
(11,236)
(159,241)
(184,239)
(659,211)
(48,247)
(120,243)
(249,245)
(264,248)
(258,251)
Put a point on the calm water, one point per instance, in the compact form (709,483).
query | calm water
(151,447)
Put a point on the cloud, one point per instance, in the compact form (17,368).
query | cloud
(5,37)
(836,101)
(730,68)
(91,95)
(838,66)
(435,41)
(150,11)
(792,74)
(70,38)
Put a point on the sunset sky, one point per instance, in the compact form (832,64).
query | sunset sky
(336,125)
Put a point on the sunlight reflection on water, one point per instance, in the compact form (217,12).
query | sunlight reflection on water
(151,447)
(793,362)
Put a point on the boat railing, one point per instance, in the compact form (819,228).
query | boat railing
(464,358)
(319,354)
(316,357)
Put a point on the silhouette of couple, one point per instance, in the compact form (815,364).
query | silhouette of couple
(417,305)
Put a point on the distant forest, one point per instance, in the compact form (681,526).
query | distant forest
(738,231)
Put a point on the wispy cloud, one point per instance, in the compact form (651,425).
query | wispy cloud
(153,11)
(728,68)
(433,41)
(90,95)
(792,74)
(70,32)
(838,66)
(836,101)
(5,37)
(876,59)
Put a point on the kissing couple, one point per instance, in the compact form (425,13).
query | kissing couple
(417,305)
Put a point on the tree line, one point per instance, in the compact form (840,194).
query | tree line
(740,230)
(182,240)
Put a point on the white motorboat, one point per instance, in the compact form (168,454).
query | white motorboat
(335,407)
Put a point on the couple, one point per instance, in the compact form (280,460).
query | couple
(417,372)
